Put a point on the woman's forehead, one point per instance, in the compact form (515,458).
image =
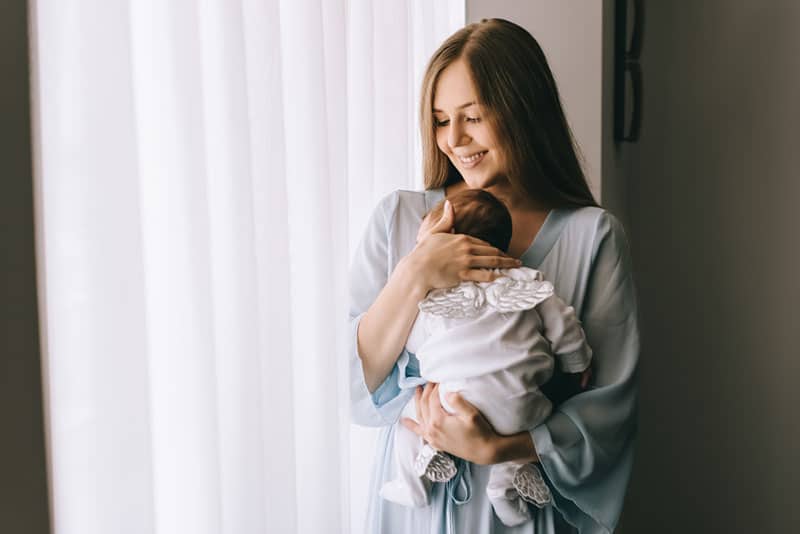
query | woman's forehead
(454,88)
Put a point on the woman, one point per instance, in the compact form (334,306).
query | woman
(491,119)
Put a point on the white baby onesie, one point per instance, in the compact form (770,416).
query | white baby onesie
(494,343)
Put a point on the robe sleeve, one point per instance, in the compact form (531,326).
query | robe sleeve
(586,445)
(369,272)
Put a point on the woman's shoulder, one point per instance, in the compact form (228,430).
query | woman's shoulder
(402,203)
(594,220)
(589,217)
(590,227)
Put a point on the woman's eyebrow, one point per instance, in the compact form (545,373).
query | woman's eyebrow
(462,106)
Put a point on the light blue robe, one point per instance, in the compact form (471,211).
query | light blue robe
(585,446)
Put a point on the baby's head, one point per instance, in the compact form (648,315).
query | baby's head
(477,213)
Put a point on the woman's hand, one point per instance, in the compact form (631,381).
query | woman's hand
(444,259)
(466,433)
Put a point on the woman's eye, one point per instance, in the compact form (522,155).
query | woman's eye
(437,123)
(473,119)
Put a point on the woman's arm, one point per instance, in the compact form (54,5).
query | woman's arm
(517,447)
(385,326)
(440,259)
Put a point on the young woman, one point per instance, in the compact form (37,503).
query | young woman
(491,119)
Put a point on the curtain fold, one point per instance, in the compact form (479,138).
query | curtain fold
(203,168)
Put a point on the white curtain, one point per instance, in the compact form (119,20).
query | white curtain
(195,161)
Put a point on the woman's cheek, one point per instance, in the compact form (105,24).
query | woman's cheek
(441,141)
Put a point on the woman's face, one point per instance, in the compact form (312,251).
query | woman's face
(462,132)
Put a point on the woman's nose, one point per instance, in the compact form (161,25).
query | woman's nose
(456,136)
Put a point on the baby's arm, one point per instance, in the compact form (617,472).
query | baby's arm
(571,351)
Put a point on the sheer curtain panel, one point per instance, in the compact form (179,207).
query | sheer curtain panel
(195,165)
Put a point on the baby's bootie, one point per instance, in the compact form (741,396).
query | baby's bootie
(436,466)
(530,485)
(511,487)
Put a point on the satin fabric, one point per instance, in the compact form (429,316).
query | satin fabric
(585,445)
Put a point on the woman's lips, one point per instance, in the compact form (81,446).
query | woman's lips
(471,161)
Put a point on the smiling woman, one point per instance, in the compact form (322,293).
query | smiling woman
(491,118)
(490,113)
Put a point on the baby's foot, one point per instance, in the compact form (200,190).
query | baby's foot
(434,465)
(530,485)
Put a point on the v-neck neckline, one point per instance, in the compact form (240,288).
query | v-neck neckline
(545,238)
(542,243)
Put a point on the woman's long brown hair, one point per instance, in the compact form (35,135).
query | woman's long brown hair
(516,87)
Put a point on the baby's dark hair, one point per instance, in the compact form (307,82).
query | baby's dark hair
(480,214)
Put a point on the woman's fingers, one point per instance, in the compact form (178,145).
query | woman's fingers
(418,404)
(475,242)
(445,222)
(461,406)
(445,260)
(484,255)
(485,250)
(412,425)
(493,262)
(436,414)
(423,410)
(478,275)
(436,409)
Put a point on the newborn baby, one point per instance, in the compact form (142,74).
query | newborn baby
(495,343)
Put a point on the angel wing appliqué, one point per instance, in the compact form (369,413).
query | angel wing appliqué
(463,300)
(519,289)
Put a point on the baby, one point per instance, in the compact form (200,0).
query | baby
(495,343)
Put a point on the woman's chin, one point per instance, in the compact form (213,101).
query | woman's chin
(480,180)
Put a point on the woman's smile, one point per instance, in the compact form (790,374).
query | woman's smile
(468,162)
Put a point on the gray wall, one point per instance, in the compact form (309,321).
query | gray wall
(713,189)
(23,479)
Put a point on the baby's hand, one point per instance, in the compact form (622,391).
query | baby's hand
(562,386)
(586,377)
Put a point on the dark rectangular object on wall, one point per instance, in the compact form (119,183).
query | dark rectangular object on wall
(628,24)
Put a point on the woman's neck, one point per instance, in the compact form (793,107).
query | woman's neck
(512,200)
